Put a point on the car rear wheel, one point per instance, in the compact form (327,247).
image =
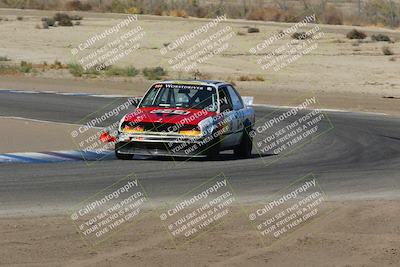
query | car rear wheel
(246,145)
(120,155)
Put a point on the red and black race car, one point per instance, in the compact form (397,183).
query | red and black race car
(187,119)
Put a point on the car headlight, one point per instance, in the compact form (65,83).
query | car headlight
(193,132)
(130,129)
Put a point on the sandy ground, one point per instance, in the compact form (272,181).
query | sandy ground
(356,233)
(343,74)
(43,136)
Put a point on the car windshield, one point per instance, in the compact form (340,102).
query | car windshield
(181,95)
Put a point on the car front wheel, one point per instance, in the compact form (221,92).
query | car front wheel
(243,150)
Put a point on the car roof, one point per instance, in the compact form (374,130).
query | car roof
(200,82)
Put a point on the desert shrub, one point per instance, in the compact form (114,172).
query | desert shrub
(291,15)
(76,69)
(382,12)
(20,18)
(257,78)
(199,11)
(76,17)
(274,14)
(25,67)
(198,75)
(387,51)
(8,69)
(178,13)
(57,65)
(59,16)
(117,6)
(134,10)
(154,73)
(44,25)
(65,22)
(78,5)
(253,30)
(94,71)
(118,71)
(49,22)
(301,36)
(4,58)
(333,16)
(355,34)
(268,14)
(380,37)
(241,33)
(63,19)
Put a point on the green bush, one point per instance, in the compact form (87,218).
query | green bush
(25,67)
(118,71)
(154,73)
(76,69)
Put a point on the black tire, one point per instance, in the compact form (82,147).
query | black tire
(246,145)
(214,149)
(120,155)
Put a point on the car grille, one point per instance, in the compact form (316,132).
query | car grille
(159,127)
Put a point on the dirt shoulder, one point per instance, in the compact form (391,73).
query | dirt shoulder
(356,233)
(42,136)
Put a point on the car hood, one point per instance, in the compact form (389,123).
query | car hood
(169,115)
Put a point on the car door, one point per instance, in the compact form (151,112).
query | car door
(239,116)
(230,118)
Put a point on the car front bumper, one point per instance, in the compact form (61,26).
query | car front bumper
(158,144)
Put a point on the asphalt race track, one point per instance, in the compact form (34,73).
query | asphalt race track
(358,158)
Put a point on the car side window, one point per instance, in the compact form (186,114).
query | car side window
(237,101)
(224,99)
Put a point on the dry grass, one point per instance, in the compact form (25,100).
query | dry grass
(376,12)
(178,13)
(248,78)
